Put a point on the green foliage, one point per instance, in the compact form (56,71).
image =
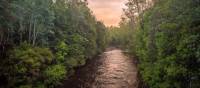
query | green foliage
(28,63)
(122,36)
(168,46)
(41,41)
(165,38)
(62,52)
(55,74)
(102,36)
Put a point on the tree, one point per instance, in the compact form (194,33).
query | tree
(42,41)
(167,45)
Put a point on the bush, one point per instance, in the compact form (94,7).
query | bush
(54,74)
(28,63)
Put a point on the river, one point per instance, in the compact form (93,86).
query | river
(112,69)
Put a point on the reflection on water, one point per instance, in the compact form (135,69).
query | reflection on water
(112,70)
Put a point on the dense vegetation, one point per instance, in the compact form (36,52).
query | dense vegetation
(166,40)
(42,41)
(120,37)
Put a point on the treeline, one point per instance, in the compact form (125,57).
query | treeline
(42,41)
(120,37)
(166,40)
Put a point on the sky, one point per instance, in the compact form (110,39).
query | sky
(107,11)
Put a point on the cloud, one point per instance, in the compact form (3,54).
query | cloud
(108,11)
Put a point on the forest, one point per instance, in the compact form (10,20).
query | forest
(165,37)
(43,41)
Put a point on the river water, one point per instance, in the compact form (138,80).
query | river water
(112,69)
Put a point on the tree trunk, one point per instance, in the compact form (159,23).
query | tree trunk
(34,33)
(30,29)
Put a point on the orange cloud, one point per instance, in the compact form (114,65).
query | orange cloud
(107,11)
